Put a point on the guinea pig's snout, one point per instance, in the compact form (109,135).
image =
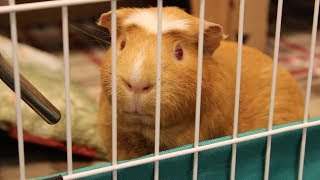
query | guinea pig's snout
(138,87)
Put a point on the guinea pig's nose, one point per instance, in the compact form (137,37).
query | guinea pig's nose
(138,87)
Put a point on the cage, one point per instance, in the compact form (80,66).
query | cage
(286,151)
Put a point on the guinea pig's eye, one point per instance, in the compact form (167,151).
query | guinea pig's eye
(123,44)
(178,52)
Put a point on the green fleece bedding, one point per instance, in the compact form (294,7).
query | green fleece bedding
(216,163)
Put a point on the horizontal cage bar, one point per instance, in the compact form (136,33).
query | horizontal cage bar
(45,5)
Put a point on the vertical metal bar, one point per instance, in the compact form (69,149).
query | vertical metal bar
(65,34)
(114,82)
(17,87)
(309,83)
(273,87)
(237,93)
(158,88)
(199,83)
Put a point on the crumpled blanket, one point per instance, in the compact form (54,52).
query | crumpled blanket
(46,72)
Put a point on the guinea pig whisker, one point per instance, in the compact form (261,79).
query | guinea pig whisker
(176,92)
(107,34)
(91,35)
(97,41)
(99,44)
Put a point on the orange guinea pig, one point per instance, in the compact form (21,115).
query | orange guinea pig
(136,83)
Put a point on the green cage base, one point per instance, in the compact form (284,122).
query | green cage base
(216,163)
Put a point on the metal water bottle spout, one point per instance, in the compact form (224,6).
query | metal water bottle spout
(29,94)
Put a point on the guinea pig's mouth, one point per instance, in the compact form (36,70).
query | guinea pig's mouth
(136,113)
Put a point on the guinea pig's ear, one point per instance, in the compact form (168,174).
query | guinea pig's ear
(213,35)
(105,18)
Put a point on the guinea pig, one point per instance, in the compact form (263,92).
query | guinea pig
(136,83)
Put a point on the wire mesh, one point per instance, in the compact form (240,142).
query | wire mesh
(12,9)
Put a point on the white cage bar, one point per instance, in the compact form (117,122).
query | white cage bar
(12,9)
(309,83)
(45,5)
(199,82)
(237,93)
(65,34)
(273,87)
(114,83)
(17,87)
(158,88)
